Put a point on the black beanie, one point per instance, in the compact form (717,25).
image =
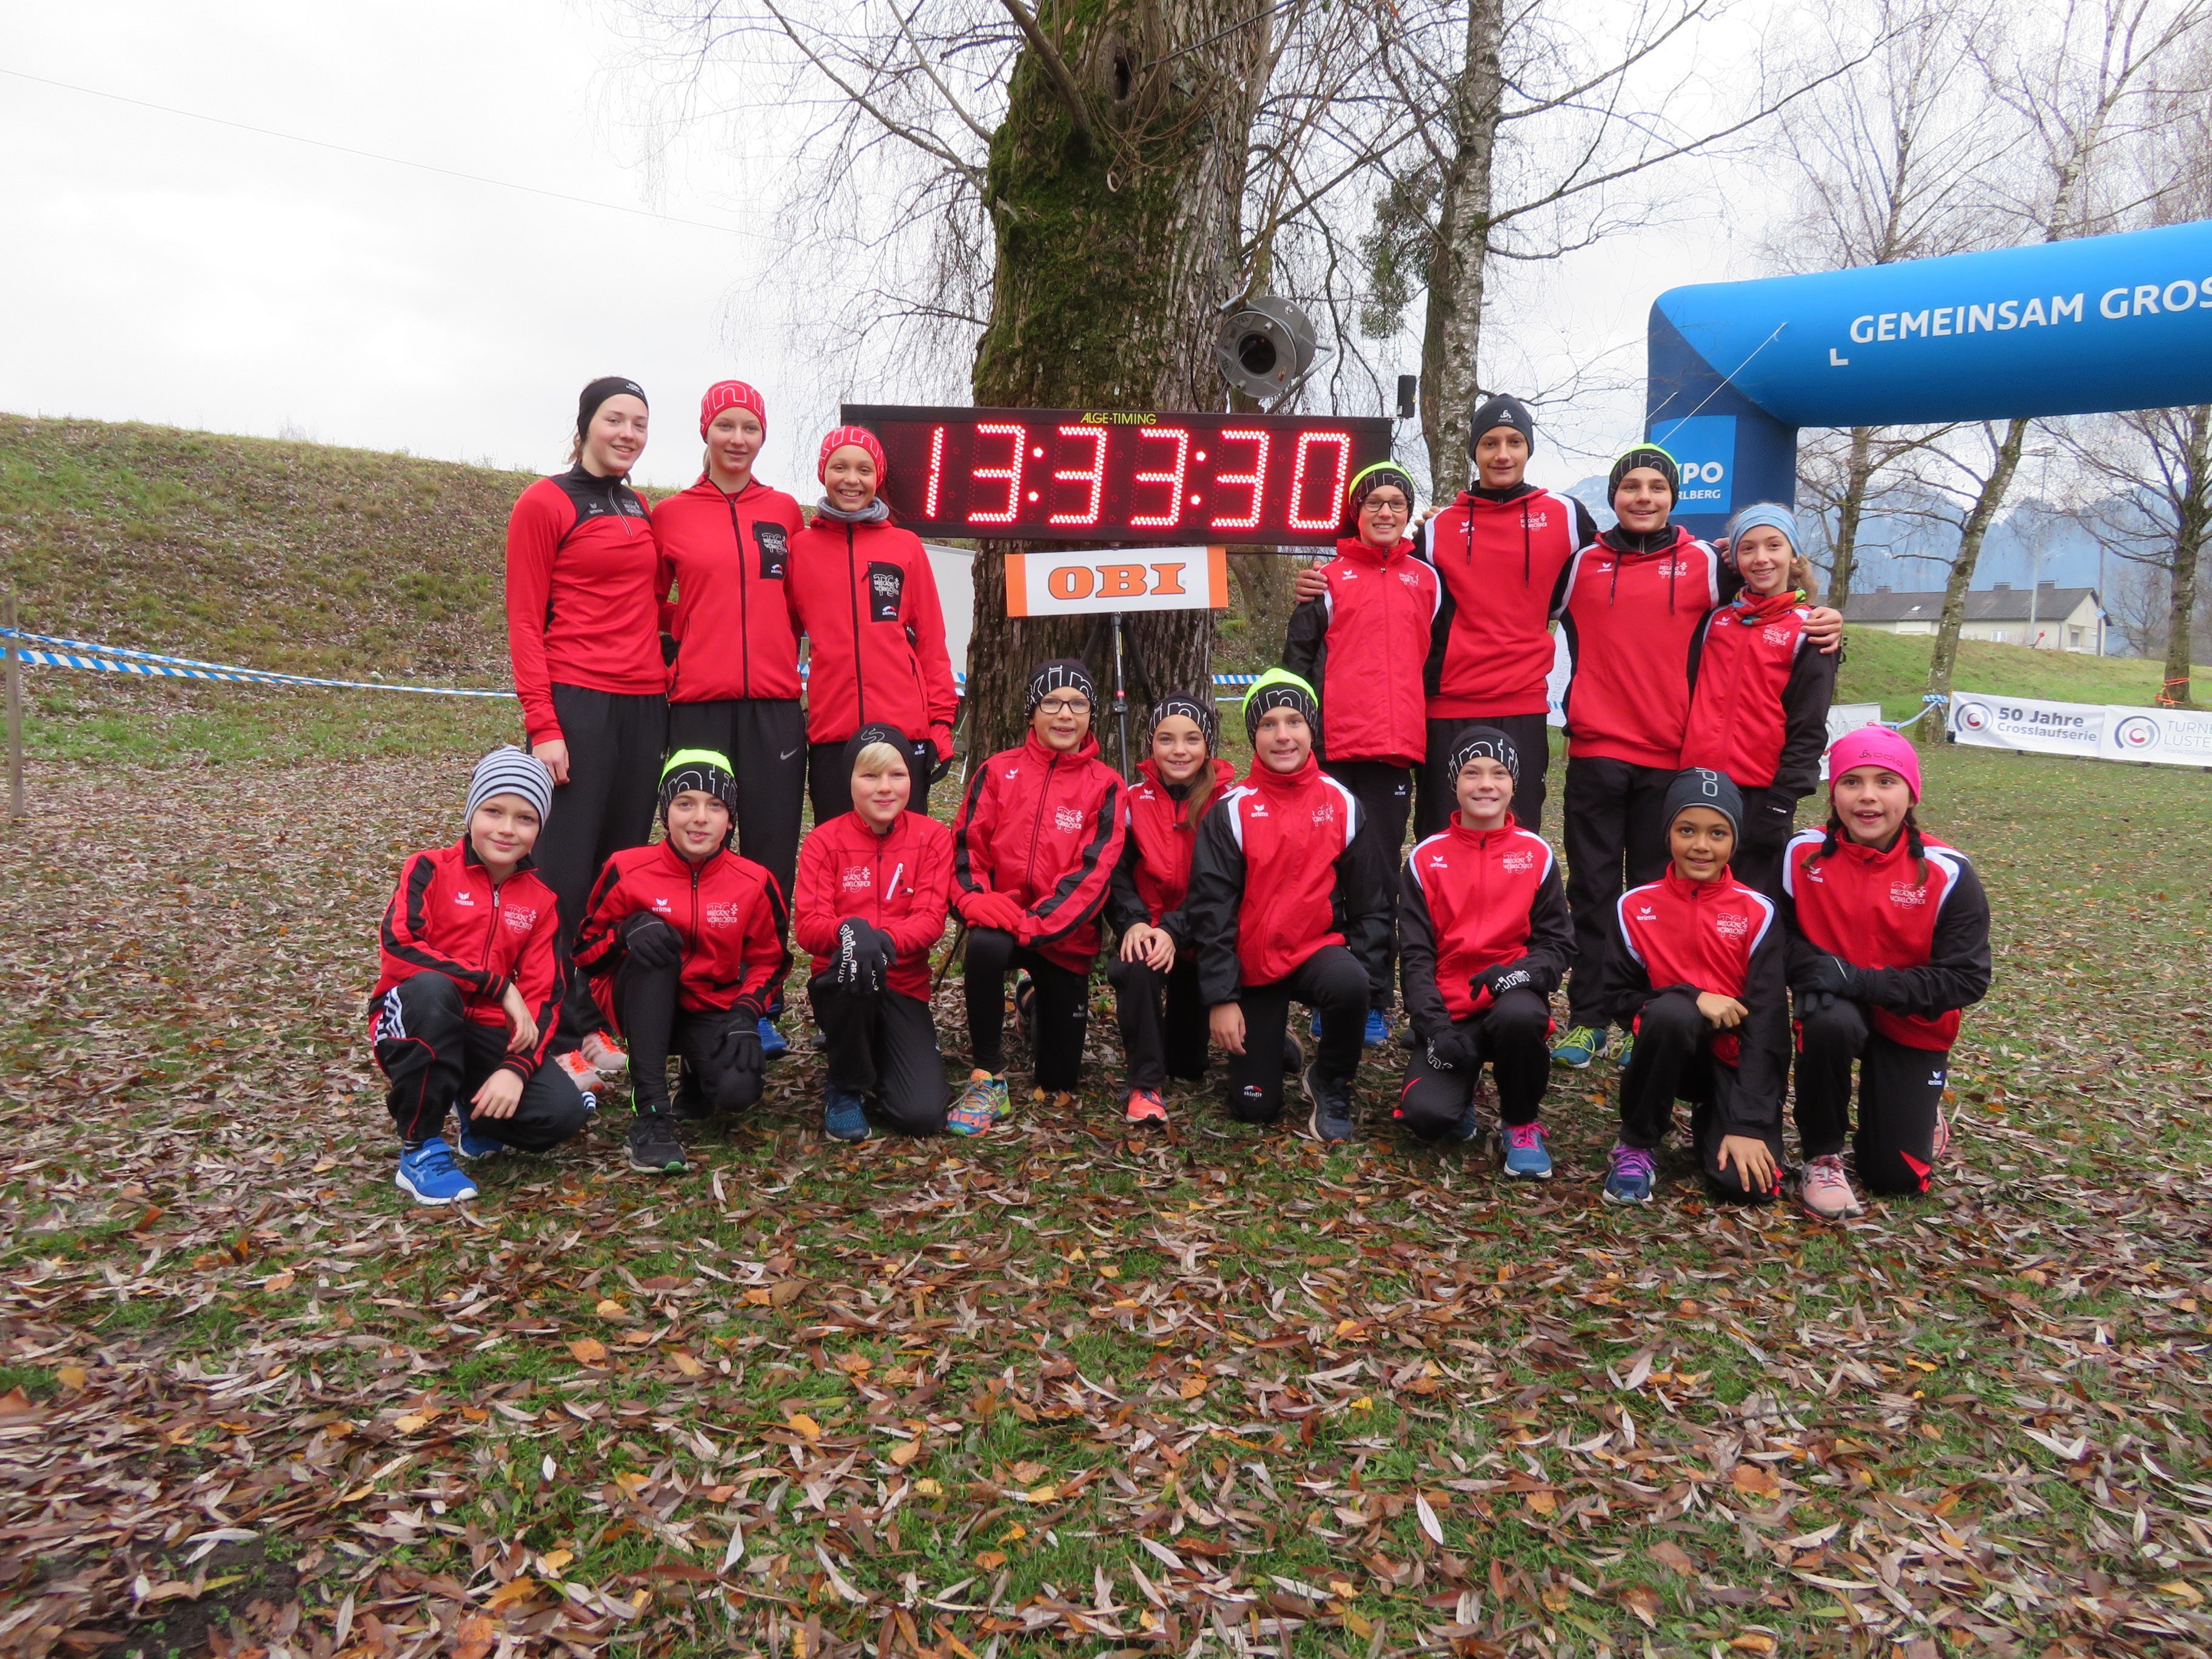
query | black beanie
(1700,786)
(1648,455)
(1485,743)
(606,387)
(1060,674)
(1502,410)
(875,731)
(1197,710)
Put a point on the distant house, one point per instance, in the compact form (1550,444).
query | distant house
(2046,616)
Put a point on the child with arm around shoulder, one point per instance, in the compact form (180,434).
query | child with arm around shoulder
(1889,940)
(463,1017)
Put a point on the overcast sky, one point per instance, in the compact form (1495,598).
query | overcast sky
(167,270)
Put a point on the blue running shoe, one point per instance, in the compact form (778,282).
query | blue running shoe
(1378,1029)
(1628,1178)
(1527,1155)
(1627,1048)
(845,1117)
(1579,1047)
(773,1044)
(474,1143)
(428,1175)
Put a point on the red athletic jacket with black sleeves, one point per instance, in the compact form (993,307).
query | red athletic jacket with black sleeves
(1923,934)
(1759,695)
(1154,874)
(1360,644)
(1280,871)
(583,598)
(1674,934)
(728,557)
(1631,605)
(900,881)
(448,916)
(865,597)
(727,911)
(1046,829)
(1474,899)
(1501,556)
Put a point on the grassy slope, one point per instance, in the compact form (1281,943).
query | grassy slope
(1891,669)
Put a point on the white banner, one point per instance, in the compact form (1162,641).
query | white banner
(1982,721)
(2165,737)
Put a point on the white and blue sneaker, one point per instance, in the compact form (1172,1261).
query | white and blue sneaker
(474,1143)
(845,1116)
(773,1044)
(1378,1029)
(428,1175)
(1525,1152)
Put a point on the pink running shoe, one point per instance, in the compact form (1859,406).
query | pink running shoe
(1825,1191)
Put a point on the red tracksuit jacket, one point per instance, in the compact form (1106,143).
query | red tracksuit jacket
(864,596)
(1759,695)
(1927,941)
(900,881)
(1280,871)
(1472,899)
(1630,613)
(1361,646)
(1720,936)
(1501,556)
(582,606)
(1046,829)
(1154,874)
(727,911)
(728,557)
(447,916)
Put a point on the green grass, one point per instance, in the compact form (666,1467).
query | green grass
(1891,669)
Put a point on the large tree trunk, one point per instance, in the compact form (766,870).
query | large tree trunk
(1451,334)
(1114,193)
(1970,537)
(1858,478)
(2192,523)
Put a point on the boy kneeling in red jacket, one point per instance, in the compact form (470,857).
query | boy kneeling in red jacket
(684,941)
(1697,975)
(1483,940)
(470,992)
(873,887)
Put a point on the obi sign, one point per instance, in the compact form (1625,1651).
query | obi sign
(1090,582)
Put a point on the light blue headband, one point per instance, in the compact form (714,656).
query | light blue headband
(1772,515)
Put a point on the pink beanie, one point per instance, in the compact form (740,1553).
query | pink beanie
(1874,745)
(730,394)
(859,438)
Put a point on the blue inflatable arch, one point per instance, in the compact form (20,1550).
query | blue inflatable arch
(2062,328)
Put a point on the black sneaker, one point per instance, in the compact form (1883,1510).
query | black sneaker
(1331,1120)
(653,1147)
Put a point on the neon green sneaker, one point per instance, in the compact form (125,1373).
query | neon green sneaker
(1579,1047)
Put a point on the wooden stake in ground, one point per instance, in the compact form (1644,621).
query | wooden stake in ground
(14,716)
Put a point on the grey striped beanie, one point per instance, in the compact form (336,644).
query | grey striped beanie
(510,771)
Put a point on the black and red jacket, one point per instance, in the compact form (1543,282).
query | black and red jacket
(1675,934)
(1924,932)
(728,557)
(583,607)
(1280,871)
(900,881)
(1759,695)
(867,600)
(1360,646)
(1154,872)
(1502,555)
(1474,899)
(1046,829)
(727,911)
(448,916)
(1631,605)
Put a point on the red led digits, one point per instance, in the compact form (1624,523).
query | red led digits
(1010,473)
(1256,480)
(931,490)
(1340,442)
(1173,479)
(1093,475)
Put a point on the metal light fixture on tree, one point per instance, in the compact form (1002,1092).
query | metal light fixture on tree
(1264,348)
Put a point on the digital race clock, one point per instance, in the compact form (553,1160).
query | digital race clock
(1071,475)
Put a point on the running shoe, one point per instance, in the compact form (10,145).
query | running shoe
(1942,1137)
(473,1143)
(428,1175)
(982,1104)
(1579,1047)
(773,1044)
(1146,1106)
(588,1082)
(1629,1175)
(604,1054)
(1525,1152)
(1330,1122)
(1378,1029)
(845,1117)
(653,1147)
(1825,1191)
(1627,1048)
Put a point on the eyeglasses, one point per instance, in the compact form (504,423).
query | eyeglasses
(1387,505)
(1058,706)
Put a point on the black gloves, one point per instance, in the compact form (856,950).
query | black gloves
(1504,977)
(739,1049)
(1832,975)
(1454,1050)
(1810,1003)
(650,942)
(864,955)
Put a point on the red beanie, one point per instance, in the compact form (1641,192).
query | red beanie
(1874,745)
(861,438)
(730,394)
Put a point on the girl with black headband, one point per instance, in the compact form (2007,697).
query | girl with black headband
(583,630)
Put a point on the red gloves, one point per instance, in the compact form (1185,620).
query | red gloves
(989,909)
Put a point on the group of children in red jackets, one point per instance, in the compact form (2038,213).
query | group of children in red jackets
(1695,722)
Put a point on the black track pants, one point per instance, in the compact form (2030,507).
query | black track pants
(830,787)
(1385,794)
(614,749)
(1758,860)
(1439,792)
(1900,1093)
(1673,1060)
(1333,985)
(765,738)
(654,1024)
(1060,1015)
(1163,1029)
(434,1058)
(1510,1035)
(1613,826)
(882,1043)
